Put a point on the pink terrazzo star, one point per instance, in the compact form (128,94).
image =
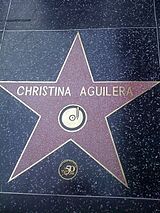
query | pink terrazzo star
(95,137)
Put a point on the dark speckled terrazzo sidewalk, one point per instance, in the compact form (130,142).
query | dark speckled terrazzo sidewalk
(121,41)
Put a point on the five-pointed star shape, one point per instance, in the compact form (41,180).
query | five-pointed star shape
(95,137)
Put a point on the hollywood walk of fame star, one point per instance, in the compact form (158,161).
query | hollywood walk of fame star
(95,137)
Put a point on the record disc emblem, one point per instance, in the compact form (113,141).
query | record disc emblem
(72,118)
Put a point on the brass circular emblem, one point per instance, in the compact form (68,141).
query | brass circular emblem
(68,169)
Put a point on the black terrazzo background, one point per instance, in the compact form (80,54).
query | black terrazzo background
(125,49)
(29,204)
(49,14)
(3,12)
(113,54)
(0,35)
